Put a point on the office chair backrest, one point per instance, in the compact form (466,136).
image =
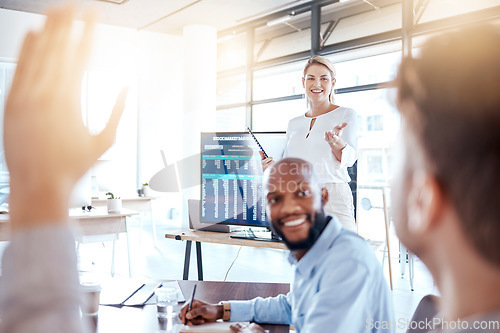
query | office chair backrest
(353,184)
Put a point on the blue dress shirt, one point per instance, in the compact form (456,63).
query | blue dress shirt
(338,286)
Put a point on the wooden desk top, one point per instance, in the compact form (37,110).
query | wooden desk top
(145,319)
(221,238)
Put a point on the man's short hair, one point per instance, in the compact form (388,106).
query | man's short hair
(450,99)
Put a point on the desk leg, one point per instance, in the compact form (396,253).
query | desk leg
(198,260)
(387,225)
(153,223)
(187,258)
(128,247)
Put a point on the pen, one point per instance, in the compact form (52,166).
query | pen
(190,304)
(126,299)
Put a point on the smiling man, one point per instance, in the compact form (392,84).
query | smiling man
(338,283)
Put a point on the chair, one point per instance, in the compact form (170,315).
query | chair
(353,184)
(425,312)
(404,257)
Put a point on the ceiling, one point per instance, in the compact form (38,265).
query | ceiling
(167,16)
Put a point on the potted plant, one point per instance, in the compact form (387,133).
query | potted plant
(146,190)
(114,203)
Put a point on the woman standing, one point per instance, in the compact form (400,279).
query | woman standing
(326,136)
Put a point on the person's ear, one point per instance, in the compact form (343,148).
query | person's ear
(334,80)
(425,202)
(303,83)
(324,196)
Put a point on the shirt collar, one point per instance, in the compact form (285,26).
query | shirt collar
(323,243)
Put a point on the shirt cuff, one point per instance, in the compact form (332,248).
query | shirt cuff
(241,310)
(348,157)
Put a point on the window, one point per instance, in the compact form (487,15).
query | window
(228,120)
(6,75)
(279,81)
(231,90)
(367,70)
(378,128)
(275,116)
(374,165)
(375,123)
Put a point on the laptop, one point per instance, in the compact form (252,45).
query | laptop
(195,222)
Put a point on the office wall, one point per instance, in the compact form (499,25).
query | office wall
(161,105)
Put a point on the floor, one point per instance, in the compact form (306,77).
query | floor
(231,263)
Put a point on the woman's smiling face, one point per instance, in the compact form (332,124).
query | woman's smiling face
(318,83)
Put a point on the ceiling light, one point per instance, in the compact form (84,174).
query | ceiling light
(279,20)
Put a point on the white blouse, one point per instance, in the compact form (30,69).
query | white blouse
(316,150)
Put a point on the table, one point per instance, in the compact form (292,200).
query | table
(199,237)
(127,319)
(141,204)
(93,223)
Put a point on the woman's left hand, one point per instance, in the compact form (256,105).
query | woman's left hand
(334,139)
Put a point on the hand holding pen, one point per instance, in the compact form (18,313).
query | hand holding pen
(198,312)
(190,307)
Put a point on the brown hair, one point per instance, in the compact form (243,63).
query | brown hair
(319,60)
(449,98)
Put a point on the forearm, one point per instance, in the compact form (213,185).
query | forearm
(271,310)
(37,208)
(337,149)
(40,276)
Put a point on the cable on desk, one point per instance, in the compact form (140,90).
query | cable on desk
(237,254)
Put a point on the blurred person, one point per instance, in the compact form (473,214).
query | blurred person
(446,190)
(47,149)
(338,282)
(327,136)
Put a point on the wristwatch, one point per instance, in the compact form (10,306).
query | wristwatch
(226,312)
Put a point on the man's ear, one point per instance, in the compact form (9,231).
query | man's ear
(324,196)
(425,203)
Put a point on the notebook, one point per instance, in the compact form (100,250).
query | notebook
(126,292)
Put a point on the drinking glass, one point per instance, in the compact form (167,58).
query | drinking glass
(166,299)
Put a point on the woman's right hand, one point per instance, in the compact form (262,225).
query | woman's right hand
(266,161)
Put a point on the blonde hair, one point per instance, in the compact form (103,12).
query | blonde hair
(320,60)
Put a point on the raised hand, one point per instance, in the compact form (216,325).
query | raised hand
(333,137)
(47,146)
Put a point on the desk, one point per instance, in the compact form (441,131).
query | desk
(126,319)
(213,237)
(96,222)
(141,204)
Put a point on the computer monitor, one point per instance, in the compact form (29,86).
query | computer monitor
(231,176)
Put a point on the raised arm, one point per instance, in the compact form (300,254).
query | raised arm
(47,149)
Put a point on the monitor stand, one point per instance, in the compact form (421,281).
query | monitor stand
(261,235)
